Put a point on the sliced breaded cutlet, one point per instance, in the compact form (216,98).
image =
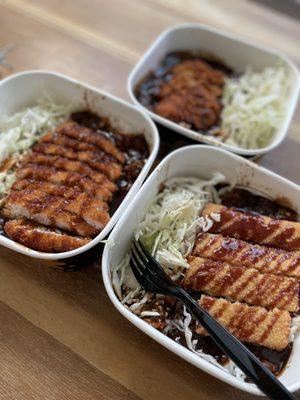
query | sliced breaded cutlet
(50,188)
(97,160)
(40,238)
(81,133)
(238,252)
(66,178)
(250,324)
(64,164)
(218,278)
(65,141)
(45,210)
(192,94)
(255,228)
(92,211)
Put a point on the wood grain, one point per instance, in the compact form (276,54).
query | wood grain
(61,338)
(74,308)
(36,366)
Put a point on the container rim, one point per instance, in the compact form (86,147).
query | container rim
(6,242)
(196,135)
(146,328)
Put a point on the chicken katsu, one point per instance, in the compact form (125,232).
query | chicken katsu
(238,283)
(251,288)
(238,252)
(246,271)
(250,324)
(65,185)
(187,89)
(259,229)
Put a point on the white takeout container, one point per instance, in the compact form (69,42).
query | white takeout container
(24,89)
(199,161)
(234,51)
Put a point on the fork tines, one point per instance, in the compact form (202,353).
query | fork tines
(148,272)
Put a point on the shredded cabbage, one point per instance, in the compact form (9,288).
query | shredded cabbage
(170,224)
(168,231)
(169,227)
(21,130)
(254,107)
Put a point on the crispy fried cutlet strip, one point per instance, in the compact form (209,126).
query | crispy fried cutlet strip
(98,161)
(93,211)
(255,228)
(83,134)
(65,164)
(38,238)
(45,210)
(66,178)
(218,278)
(237,252)
(250,324)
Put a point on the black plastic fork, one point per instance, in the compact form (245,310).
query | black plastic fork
(151,276)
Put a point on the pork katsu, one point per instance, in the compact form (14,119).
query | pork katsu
(197,91)
(187,88)
(39,238)
(97,139)
(66,164)
(67,178)
(65,185)
(192,95)
(97,160)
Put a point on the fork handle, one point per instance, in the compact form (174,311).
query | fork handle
(235,350)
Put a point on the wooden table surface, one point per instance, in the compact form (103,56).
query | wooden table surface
(60,337)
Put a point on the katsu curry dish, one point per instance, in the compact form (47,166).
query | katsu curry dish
(63,175)
(200,92)
(233,250)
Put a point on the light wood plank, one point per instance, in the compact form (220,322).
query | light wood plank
(243,18)
(74,308)
(36,366)
(44,47)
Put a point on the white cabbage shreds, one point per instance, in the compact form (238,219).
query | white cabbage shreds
(170,224)
(254,107)
(21,130)
(168,231)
